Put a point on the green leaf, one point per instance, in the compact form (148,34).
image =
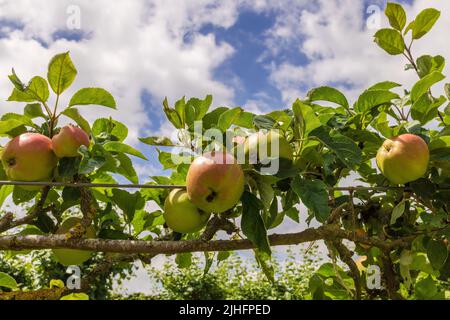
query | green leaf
(6,281)
(76,296)
(305,118)
(110,127)
(200,107)
(37,90)
(263,122)
(426,288)
(427,64)
(212,119)
(314,196)
(426,108)
(5,192)
(34,110)
(61,72)
(172,115)
(126,168)
(9,125)
(424,84)
(424,21)
(437,253)
(183,260)
(328,94)
(128,202)
(385,85)
(344,148)
(373,98)
(114,146)
(252,224)
(165,158)
(398,211)
(227,118)
(390,40)
(245,120)
(157,141)
(447,90)
(97,96)
(75,115)
(396,15)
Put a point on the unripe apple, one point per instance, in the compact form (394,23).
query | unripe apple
(29,157)
(72,257)
(181,215)
(69,139)
(404,158)
(259,147)
(215,182)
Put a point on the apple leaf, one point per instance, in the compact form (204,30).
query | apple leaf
(96,96)
(6,281)
(305,119)
(344,148)
(157,141)
(427,64)
(252,224)
(424,84)
(34,110)
(37,90)
(76,296)
(398,211)
(173,116)
(437,253)
(396,15)
(384,85)
(424,21)
(5,192)
(126,168)
(227,118)
(61,72)
(183,260)
(373,98)
(391,41)
(425,288)
(114,146)
(328,94)
(314,196)
(128,202)
(75,115)
(263,122)
(426,108)
(112,128)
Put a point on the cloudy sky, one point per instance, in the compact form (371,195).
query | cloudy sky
(258,54)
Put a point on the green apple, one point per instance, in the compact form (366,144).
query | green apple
(29,157)
(215,182)
(404,158)
(69,139)
(181,215)
(259,147)
(72,257)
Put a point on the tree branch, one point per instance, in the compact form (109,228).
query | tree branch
(172,247)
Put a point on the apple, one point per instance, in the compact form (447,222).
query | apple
(215,182)
(259,147)
(29,157)
(69,139)
(181,215)
(404,158)
(72,257)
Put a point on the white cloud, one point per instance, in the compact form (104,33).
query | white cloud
(130,46)
(339,49)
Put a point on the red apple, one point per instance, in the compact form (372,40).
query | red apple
(69,139)
(29,157)
(404,158)
(215,182)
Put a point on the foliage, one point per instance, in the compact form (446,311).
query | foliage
(402,231)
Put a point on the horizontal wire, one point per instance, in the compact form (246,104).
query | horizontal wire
(159,186)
